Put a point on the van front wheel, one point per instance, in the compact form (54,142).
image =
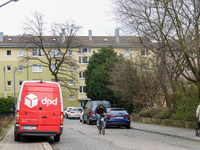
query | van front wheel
(57,138)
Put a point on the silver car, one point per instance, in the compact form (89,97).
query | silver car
(74,113)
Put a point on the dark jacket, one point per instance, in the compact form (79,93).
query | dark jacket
(99,110)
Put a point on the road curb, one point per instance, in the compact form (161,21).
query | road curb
(186,138)
(47,146)
(1,138)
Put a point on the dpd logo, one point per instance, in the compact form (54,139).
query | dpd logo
(48,102)
(31,100)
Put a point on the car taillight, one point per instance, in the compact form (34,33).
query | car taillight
(110,116)
(127,116)
(71,112)
(17,117)
(61,118)
(67,110)
(91,112)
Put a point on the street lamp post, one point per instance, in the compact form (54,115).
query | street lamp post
(8,2)
(14,80)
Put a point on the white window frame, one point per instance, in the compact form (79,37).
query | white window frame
(38,51)
(7,52)
(53,80)
(146,68)
(10,83)
(81,75)
(20,81)
(84,50)
(71,82)
(55,53)
(71,67)
(70,53)
(37,79)
(20,67)
(81,89)
(10,68)
(81,59)
(38,68)
(71,97)
(144,52)
(128,53)
(20,52)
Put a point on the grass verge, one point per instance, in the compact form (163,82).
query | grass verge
(5,123)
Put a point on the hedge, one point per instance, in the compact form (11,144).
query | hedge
(6,104)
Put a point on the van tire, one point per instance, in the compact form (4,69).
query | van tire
(17,137)
(57,138)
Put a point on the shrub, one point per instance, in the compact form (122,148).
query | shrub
(6,104)
(165,113)
(186,105)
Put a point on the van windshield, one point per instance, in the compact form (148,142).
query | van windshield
(105,104)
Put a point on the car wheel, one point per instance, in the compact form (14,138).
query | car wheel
(83,120)
(88,122)
(57,138)
(128,127)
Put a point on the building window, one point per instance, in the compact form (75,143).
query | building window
(8,52)
(37,68)
(37,52)
(20,53)
(9,68)
(84,60)
(144,52)
(128,53)
(53,80)
(146,67)
(84,50)
(189,69)
(53,68)
(20,83)
(71,97)
(70,53)
(71,82)
(71,68)
(81,89)
(81,75)
(55,53)
(20,68)
(37,79)
(98,51)
(9,83)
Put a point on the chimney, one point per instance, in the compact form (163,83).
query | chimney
(1,36)
(117,35)
(63,35)
(90,34)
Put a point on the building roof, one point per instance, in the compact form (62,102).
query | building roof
(80,41)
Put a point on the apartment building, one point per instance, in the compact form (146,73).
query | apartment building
(13,73)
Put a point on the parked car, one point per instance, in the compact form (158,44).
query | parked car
(118,117)
(89,114)
(66,111)
(74,113)
(39,110)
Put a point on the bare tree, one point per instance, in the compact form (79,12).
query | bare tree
(53,50)
(173,26)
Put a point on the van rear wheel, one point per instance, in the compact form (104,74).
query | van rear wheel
(57,138)
(17,137)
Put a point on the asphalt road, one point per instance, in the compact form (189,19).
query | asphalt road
(79,136)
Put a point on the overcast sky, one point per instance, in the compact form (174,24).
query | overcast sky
(91,14)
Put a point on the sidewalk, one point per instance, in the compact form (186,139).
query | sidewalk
(8,143)
(189,134)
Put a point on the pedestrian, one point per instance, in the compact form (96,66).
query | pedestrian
(198,116)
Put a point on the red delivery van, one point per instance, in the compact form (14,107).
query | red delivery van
(39,110)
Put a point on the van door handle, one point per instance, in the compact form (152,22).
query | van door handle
(43,117)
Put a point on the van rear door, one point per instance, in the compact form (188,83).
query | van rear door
(40,107)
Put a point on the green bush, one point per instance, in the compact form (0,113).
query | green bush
(186,105)
(165,113)
(6,104)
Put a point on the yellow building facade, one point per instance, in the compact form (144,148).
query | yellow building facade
(13,74)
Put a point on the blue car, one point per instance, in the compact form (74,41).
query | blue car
(118,117)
